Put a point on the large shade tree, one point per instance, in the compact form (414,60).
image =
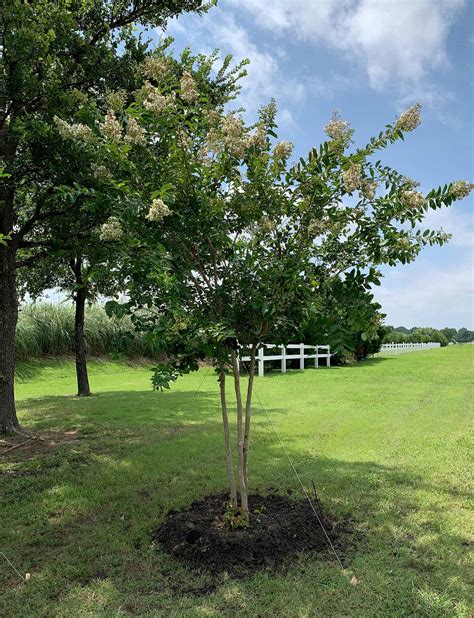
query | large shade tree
(239,240)
(55,58)
(112,161)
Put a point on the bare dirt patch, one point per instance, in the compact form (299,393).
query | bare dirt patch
(280,528)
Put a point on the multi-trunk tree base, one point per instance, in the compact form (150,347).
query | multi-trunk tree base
(279,528)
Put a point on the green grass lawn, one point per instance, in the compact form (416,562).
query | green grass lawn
(386,443)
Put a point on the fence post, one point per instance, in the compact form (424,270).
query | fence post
(302,356)
(260,362)
(328,363)
(283,359)
(316,360)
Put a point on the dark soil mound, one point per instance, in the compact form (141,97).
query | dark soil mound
(279,528)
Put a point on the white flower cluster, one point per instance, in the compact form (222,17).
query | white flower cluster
(78,131)
(339,130)
(267,225)
(116,99)
(135,134)
(412,199)
(156,102)
(202,155)
(368,189)
(155,68)
(212,117)
(461,189)
(110,128)
(352,177)
(213,142)
(189,91)
(283,150)
(101,172)
(111,230)
(184,139)
(259,138)
(158,211)
(404,244)
(409,119)
(229,133)
(409,182)
(315,228)
(234,137)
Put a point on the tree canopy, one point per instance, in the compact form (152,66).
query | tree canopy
(236,240)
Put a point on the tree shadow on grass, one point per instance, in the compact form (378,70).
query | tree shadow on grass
(26,370)
(120,408)
(84,519)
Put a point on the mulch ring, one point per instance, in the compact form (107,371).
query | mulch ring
(280,528)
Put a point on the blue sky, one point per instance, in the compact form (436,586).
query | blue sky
(369,59)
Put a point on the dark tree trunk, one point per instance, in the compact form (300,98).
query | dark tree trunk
(83,388)
(8,320)
(8,293)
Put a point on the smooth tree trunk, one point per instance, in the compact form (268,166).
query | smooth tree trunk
(83,388)
(248,410)
(244,503)
(8,319)
(227,444)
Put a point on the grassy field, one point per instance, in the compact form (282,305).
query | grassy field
(386,443)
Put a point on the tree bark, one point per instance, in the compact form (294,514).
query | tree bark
(227,445)
(8,319)
(244,504)
(248,409)
(83,388)
(8,293)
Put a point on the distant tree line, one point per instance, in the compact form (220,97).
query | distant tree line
(418,334)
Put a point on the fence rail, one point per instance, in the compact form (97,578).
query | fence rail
(286,355)
(401,348)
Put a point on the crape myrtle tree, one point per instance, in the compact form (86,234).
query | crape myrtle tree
(55,58)
(237,240)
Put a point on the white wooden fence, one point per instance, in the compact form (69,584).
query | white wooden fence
(286,354)
(401,348)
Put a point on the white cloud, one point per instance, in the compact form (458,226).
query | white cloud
(400,42)
(265,78)
(429,292)
(457,222)
(429,296)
